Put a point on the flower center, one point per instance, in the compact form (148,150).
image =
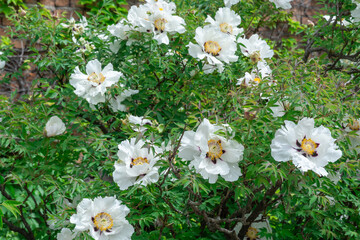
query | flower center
(215,150)
(160,24)
(226,28)
(161,9)
(96,78)
(138,161)
(212,48)
(257,80)
(308,147)
(252,233)
(255,57)
(354,125)
(103,222)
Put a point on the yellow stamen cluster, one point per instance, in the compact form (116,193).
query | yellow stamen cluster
(252,233)
(103,221)
(139,161)
(255,57)
(212,48)
(258,80)
(354,125)
(226,28)
(215,150)
(160,24)
(96,78)
(308,146)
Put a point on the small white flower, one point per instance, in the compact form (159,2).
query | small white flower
(226,21)
(356,12)
(65,234)
(137,123)
(216,48)
(135,165)
(308,147)
(255,48)
(116,103)
(120,30)
(77,28)
(353,125)
(342,22)
(54,127)
(2,63)
(229,3)
(92,85)
(255,228)
(156,17)
(212,154)
(262,72)
(280,109)
(163,23)
(161,5)
(285,4)
(104,218)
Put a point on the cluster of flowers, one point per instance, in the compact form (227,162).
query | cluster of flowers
(211,149)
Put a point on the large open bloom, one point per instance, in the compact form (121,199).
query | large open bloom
(135,165)
(216,48)
(212,154)
(92,85)
(226,21)
(285,4)
(104,218)
(255,48)
(308,147)
(54,127)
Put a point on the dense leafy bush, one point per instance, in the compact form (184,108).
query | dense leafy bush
(198,131)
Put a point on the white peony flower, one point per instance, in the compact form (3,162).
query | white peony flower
(353,125)
(229,3)
(65,234)
(255,228)
(216,48)
(104,218)
(137,123)
(308,147)
(54,127)
(120,30)
(356,12)
(212,154)
(225,21)
(135,165)
(262,72)
(280,109)
(285,4)
(162,23)
(116,103)
(342,22)
(255,48)
(92,85)
(2,63)
(77,28)
(160,5)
